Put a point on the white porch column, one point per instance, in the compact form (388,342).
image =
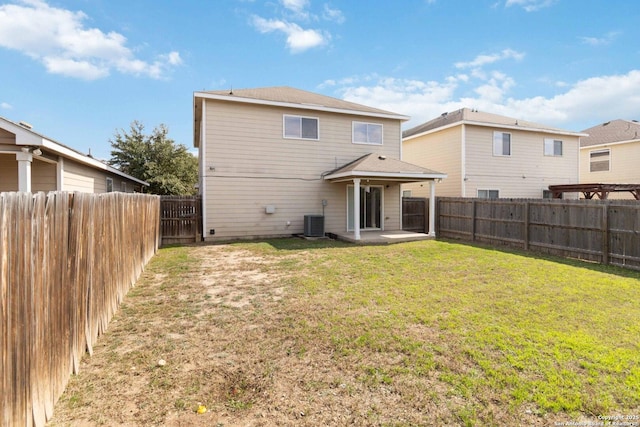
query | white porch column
(24,171)
(432,208)
(356,208)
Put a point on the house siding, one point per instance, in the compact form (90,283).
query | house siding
(441,151)
(248,165)
(623,167)
(526,172)
(8,172)
(43,176)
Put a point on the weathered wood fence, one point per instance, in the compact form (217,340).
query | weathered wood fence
(604,231)
(66,262)
(415,214)
(180,219)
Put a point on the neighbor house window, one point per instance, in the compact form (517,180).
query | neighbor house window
(501,144)
(599,160)
(109,185)
(367,133)
(123,186)
(299,127)
(552,147)
(488,194)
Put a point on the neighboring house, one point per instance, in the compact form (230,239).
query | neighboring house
(611,155)
(491,156)
(32,162)
(274,158)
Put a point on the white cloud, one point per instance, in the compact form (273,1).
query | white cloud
(297,6)
(530,5)
(6,106)
(60,41)
(482,60)
(298,39)
(581,104)
(334,15)
(605,40)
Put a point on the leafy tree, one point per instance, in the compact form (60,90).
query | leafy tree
(169,168)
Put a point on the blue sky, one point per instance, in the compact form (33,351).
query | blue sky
(79,70)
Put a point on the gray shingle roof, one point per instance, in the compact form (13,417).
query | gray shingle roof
(372,165)
(289,95)
(613,131)
(470,116)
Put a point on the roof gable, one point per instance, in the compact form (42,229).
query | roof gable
(611,132)
(381,167)
(292,97)
(480,118)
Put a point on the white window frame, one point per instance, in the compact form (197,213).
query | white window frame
(488,192)
(299,134)
(109,188)
(500,152)
(550,147)
(367,132)
(601,151)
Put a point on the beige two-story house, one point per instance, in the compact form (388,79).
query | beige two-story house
(32,162)
(610,154)
(492,156)
(280,161)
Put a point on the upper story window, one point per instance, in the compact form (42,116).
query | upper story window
(299,127)
(552,147)
(501,144)
(600,160)
(367,133)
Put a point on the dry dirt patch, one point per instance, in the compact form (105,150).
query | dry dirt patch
(223,327)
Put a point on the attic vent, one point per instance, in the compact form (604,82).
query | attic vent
(25,125)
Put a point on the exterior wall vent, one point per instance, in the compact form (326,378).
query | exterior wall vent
(314,226)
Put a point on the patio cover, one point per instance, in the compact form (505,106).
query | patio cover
(381,168)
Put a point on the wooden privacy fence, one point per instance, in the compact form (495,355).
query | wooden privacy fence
(415,214)
(180,219)
(604,231)
(66,262)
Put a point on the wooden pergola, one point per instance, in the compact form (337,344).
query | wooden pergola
(590,190)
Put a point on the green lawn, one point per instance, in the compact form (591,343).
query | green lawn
(291,332)
(548,335)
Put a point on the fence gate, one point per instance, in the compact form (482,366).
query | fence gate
(180,219)
(415,214)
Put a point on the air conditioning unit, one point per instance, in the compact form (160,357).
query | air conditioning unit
(314,226)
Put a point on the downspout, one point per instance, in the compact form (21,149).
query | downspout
(463,161)
(203,154)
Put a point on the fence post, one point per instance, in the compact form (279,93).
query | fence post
(605,234)
(473,221)
(526,226)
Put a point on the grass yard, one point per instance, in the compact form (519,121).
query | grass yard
(292,332)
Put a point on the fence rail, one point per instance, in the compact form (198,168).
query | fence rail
(604,231)
(66,262)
